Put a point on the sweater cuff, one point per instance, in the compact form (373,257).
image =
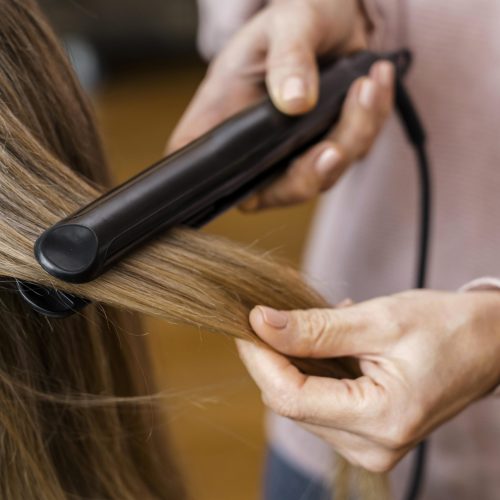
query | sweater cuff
(481,284)
(484,284)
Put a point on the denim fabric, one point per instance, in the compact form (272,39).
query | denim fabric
(283,481)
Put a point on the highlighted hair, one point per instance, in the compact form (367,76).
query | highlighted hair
(72,419)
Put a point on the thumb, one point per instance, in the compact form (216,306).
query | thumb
(292,74)
(314,333)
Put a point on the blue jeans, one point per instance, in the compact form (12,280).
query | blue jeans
(283,481)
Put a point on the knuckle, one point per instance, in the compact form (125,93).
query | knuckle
(315,328)
(291,45)
(294,58)
(282,404)
(387,313)
(282,400)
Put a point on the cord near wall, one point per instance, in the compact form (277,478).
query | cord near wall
(416,135)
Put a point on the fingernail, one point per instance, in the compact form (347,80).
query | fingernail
(293,89)
(275,319)
(384,73)
(367,94)
(327,161)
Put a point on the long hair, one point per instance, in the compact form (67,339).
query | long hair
(74,418)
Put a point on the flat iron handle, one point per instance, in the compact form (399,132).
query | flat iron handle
(198,182)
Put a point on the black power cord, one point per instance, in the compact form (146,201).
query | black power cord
(416,136)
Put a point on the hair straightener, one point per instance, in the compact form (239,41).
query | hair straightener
(205,178)
(191,186)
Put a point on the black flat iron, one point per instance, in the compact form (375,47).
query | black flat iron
(191,186)
(202,180)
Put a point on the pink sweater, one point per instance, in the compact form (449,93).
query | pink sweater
(362,243)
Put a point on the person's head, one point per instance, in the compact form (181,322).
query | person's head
(75,417)
(63,431)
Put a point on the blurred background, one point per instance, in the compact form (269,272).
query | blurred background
(138,61)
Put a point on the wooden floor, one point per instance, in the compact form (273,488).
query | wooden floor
(215,411)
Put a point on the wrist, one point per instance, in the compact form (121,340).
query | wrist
(486,332)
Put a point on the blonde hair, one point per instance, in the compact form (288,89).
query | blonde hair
(68,422)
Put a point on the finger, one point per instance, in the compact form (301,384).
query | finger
(367,105)
(320,333)
(342,404)
(384,73)
(303,180)
(365,110)
(292,72)
(310,174)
